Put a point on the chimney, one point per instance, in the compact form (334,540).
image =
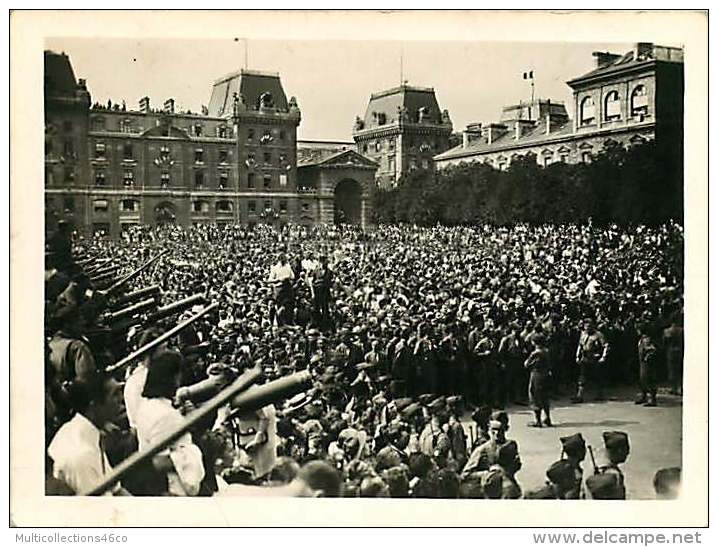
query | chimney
(643,50)
(604,58)
(471,134)
(493,131)
(169,106)
(145,105)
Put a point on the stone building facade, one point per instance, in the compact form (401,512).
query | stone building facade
(108,168)
(626,98)
(403,129)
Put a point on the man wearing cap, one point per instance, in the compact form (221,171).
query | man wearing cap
(608,482)
(539,367)
(486,454)
(673,342)
(508,463)
(590,355)
(574,447)
(647,355)
(559,484)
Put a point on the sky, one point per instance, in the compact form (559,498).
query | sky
(332,80)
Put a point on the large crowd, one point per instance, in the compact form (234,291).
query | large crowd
(417,339)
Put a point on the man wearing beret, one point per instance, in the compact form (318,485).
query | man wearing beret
(508,463)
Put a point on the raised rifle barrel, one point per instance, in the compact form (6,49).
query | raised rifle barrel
(134,309)
(146,292)
(104,275)
(177,307)
(275,391)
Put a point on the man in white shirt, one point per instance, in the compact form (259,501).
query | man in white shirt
(77,451)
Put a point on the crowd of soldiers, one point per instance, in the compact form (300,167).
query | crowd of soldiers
(405,331)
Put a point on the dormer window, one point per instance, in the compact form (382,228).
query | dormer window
(639,101)
(198,130)
(98,124)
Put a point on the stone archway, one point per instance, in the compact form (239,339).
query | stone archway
(348,202)
(165,213)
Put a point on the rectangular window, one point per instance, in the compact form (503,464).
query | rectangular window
(222,156)
(127,151)
(100,150)
(128,205)
(223,180)
(268,158)
(126,125)
(69,174)
(98,124)
(129,177)
(250,134)
(69,149)
(99,178)
(252,206)
(267,205)
(100,205)
(164,153)
(250,181)
(391,163)
(282,180)
(198,156)
(282,135)
(391,144)
(68,204)
(199,179)
(197,130)
(283,206)
(613,110)
(222,132)
(165,179)
(267,181)
(224,206)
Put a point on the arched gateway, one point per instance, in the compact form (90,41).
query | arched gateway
(348,202)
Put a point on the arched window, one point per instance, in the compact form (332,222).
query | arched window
(612,107)
(639,101)
(588,111)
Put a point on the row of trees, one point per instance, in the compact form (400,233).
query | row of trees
(641,184)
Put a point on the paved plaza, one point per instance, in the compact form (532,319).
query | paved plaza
(655,436)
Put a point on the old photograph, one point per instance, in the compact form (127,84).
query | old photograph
(329,268)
